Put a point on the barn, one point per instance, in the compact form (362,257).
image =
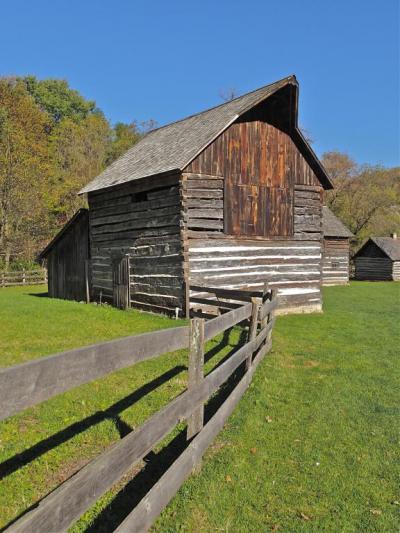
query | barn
(336,249)
(66,258)
(378,259)
(230,197)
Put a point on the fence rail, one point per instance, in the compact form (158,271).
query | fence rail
(25,385)
(23,277)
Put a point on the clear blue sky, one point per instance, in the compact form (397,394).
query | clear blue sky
(167,59)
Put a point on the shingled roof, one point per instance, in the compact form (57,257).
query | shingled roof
(332,226)
(388,245)
(174,146)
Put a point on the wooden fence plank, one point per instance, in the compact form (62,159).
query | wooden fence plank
(196,372)
(244,295)
(25,385)
(144,514)
(228,320)
(267,307)
(255,307)
(68,502)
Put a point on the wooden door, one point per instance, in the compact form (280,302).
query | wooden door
(121,282)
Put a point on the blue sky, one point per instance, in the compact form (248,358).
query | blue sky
(167,59)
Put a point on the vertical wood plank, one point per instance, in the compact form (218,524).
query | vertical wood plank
(87,281)
(196,372)
(253,327)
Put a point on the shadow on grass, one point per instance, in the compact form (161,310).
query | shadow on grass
(156,464)
(14,463)
(39,294)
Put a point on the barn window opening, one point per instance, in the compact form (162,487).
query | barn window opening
(335,264)
(139,197)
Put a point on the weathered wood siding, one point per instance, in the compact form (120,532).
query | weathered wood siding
(66,262)
(373,264)
(260,165)
(335,261)
(142,220)
(373,268)
(396,270)
(212,258)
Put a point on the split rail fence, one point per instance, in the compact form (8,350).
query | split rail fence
(23,277)
(25,385)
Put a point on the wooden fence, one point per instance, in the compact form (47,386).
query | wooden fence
(28,384)
(23,277)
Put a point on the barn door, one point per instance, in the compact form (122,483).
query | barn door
(121,282)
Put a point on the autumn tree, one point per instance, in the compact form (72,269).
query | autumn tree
(366,198)
(24,169)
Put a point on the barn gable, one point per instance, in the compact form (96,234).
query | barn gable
(171,148)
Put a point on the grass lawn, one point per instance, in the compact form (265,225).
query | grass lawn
(311,446)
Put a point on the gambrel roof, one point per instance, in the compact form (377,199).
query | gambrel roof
(332,226)
(174,146)
(388,245)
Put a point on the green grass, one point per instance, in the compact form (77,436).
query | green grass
(312,446)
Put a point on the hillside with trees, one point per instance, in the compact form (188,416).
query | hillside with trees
(53,141)
(366,198)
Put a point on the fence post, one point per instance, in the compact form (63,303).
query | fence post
(252,328)
(267,319)
(196,372)
(3,279)
(23,276)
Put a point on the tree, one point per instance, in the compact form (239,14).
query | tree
(228,94)
(58,100)
(24,169)
(79,151)
(124,136)
(366,198)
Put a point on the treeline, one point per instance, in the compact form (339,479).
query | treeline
(52,142)
(366,198)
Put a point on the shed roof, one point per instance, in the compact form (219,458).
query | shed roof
(75,218)
(332,226)
(388,245)
(174,146)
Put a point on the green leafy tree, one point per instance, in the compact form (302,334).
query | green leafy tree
(58,99)
(124,136)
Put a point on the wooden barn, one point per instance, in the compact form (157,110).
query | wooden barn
(378,259)
(230,198)
(66,258)
(336,249)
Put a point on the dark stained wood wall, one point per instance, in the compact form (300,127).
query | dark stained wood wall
(66,261)
(260,164)
(140,219)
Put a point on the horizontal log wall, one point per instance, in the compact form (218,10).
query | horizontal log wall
(396,270)
(213,259)
(335,261)
(142,220)
(373,268)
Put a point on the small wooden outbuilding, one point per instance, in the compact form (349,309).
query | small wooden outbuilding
(228,198)
(66,258)
(336,249)
(378,259)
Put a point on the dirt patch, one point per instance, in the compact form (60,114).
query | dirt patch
(311,364)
